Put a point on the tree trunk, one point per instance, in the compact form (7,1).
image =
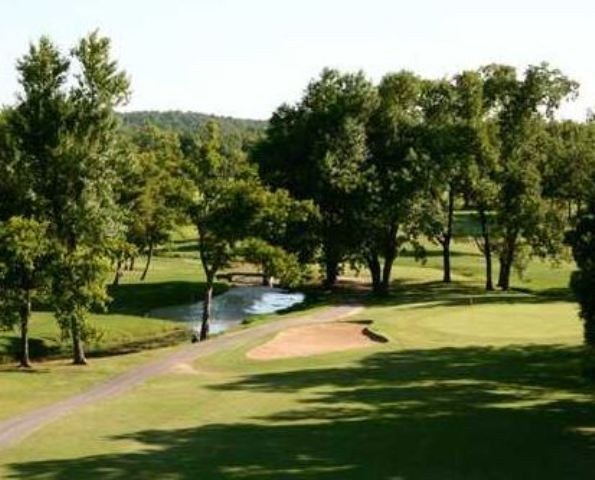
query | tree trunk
(131,264)
(331,272)
(447,237)
(375,270)
(589,333)
(446,278)
(78,352)
(206,309)
(390,253)
(118,274)
(487,248)
(25,361)
(149,257)
(506,260)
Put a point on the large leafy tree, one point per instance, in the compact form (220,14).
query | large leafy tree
(66,131)
(24,255)
(479,146)
(448,141)
(397,176)
(160,190)
(230,205)
(522,106)
(582,241)
(569,167)
(317,150)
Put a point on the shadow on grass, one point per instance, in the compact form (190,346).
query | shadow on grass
(10,349)
(140,298)
(468,413)
(457,293)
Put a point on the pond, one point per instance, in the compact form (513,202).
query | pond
(233,307)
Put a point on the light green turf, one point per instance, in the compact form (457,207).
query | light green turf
(124,328)
(54,380)
(470,386)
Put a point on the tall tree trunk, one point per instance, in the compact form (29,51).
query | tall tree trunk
(390,253)
(25,316)
(331,271)
(131,264)
(487,247)
(506,261)
(375,272)
(589,333)
(446,277)
(447,237)
(118,274)
(207,308)
(149,257)
(78,351)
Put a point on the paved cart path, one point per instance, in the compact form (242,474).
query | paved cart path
(17,428)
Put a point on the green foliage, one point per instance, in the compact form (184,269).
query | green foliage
(274,261)
(582,241)
(316,150)
(191,122)
(230,205)
(24,255)
(153,192)
(66,132)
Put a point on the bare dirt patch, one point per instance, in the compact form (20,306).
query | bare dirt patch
(313,340)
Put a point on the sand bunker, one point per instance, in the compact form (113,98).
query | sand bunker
(313,340)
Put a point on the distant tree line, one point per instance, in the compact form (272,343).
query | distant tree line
(353,174)
(191,122)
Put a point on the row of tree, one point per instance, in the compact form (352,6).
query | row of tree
(81,194)
(386,164)
(352,174)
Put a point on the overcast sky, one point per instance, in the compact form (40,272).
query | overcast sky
(245,57)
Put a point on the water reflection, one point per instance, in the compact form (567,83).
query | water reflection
(233,306)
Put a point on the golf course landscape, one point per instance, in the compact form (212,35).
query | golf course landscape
(336,240)
(467,379)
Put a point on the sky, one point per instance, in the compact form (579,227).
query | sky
(245,58)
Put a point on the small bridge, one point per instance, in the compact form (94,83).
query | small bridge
(229,276)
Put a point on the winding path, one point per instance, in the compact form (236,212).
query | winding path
(17,428)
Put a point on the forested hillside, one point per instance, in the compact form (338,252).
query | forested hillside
(190,121)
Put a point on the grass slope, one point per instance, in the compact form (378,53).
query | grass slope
(470,386)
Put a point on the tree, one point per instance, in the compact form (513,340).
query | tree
(275,263)
(160,189)
(521,108)
(230,205)
(24,256)
(397,176)
(316,150)
(66,130)
(582,241)
(479,175)
(446,142)
(569,167)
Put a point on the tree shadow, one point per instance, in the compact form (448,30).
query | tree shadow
(39,348)
(140,298)
(459,293)
(455,413)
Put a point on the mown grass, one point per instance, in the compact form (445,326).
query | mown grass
(469,387)
(126,324)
